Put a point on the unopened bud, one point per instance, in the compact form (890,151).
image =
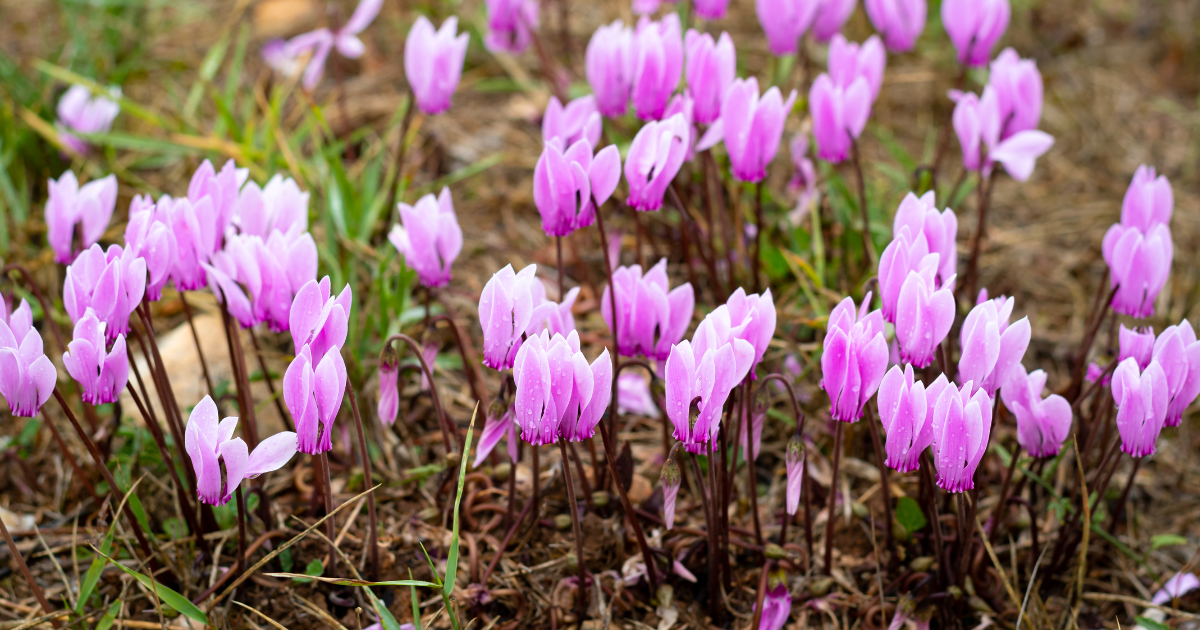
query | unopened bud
(670,479)
(820,587)
(562,522)
(921,564)
(774,552)
(600,498)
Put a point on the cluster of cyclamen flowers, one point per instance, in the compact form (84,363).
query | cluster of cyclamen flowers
(249,245)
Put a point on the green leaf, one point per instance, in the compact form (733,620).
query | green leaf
(165,594)
(1166,540)
(909,514)
(285,560)
(110,617)
(452,557)
(432,567)
(1150,624)
(316,568)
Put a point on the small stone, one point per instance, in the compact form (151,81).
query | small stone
(921,564)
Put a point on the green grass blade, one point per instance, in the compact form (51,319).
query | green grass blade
(62,74)
(165,594)
(110,617)
(416,605)
(452,558)
(92,577)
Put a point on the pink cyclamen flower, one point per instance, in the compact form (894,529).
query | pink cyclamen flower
(1149,200)
(578,120)
(223,188)
(831,17)
(1139,264)
(794,459)
(79,111)
(906,412)
(710,9)
(510,25)
(652,316)
(313,388)
(918,231)
(899,21)
(839,115)
(285,56)
(608,63)
(711,69)
(111,282)
(777,607)
(657,51)
(991,348)
(433,62)
(148,235)
(69,205)
(750,317)
(559,395)
(709,375)
(191,251)
(257,280)
(318,320)
(1018,86)
(854,358)
(27,377)
(633,395)
(980,123)
(1137,343)
(1042,424)
(389,388)
(924,314)
(751,128)
(784,22)
(210,443)
(505,309)
(1177,586)
(654,159)
(500,424)
(849,60)
(974,26)
(569,185)
(1178,352)
(429,238)
(670,478)
(280,206)
(100,372)
(962,424)
(1142,397)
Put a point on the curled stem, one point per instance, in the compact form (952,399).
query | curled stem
(443,420)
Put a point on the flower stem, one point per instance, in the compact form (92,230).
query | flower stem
(330,526)
(751,476)
(561,276)
(1116,513)
(985,195)
(759,226)
(372,543)
(583,482)
(512,530)
(74,463)
(932,508)
(756,622)
(443,420)
(884,485)
(112,484)
(573,507)
(266,375)
(33,586)
(710,529)
(238,361)
(398,165)
(187,310)
(185,502)
(868,245)
(612,297)
(241,508)
(990,528)
(470,362)
(837,460)
(651,569)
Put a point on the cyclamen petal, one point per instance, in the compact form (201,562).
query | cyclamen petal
(1042,424)
(905,410)
(1141,398)
(433,62)
(794,458)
